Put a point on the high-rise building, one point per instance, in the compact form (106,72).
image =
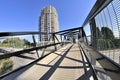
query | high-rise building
(48,22)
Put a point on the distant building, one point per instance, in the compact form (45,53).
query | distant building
(48,22)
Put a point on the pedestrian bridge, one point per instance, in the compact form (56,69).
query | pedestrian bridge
(89,52)
(66,63)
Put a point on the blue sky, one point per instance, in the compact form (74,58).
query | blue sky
(23,15)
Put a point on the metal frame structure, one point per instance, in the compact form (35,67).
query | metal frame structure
(108,69)
(18,53)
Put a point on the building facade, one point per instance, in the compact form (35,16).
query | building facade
(48,22)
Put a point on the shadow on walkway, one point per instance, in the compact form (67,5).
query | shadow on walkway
(49,73)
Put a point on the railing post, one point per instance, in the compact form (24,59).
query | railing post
(56,38)
(53,38)
(93,33)
(35,45)
(64,39)
(61,40)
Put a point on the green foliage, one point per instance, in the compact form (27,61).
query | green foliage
(107,33)
(104,44)
(5,65)
(26,42)
(15,42)
(106,39)
(116,43)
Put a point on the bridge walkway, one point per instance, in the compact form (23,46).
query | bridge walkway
(65,64)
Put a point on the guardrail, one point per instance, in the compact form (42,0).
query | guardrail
(103,67)
(35,49)
(101,42)
(100,27)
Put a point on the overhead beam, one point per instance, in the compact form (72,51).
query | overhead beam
(67,30)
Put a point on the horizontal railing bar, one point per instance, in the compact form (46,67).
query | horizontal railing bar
(25,66)
(4,51)
(25,51)
(112,69)
(68,30)
(2,34)
(91,67)
(22,67)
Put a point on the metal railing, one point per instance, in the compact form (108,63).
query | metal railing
(101,40)
(97,47)
(18,52)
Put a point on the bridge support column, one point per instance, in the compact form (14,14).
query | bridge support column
(93,33)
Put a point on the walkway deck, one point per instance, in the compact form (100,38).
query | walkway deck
(64,64)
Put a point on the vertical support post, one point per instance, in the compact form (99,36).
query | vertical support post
(61,40)
(71,35)
(79,34)
(35,45)
(56,38)
(53,38)
(84,35)
(93,33)
(45,47)
(64,39)
(61,37)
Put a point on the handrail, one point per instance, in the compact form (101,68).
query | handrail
(6,74)
(25,51)
(17,53)
(3,34)
(96,9)
(31,63)
(110,67)
(72,29)
(91,67)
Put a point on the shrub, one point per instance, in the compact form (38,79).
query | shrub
(5,65)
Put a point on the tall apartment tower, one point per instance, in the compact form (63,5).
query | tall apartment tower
(48,22)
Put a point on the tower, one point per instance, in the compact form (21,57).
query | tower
(48,23)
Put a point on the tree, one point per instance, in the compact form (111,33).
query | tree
(105,38)
(116,43)
(13,42)
(26,42)
(107,33)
